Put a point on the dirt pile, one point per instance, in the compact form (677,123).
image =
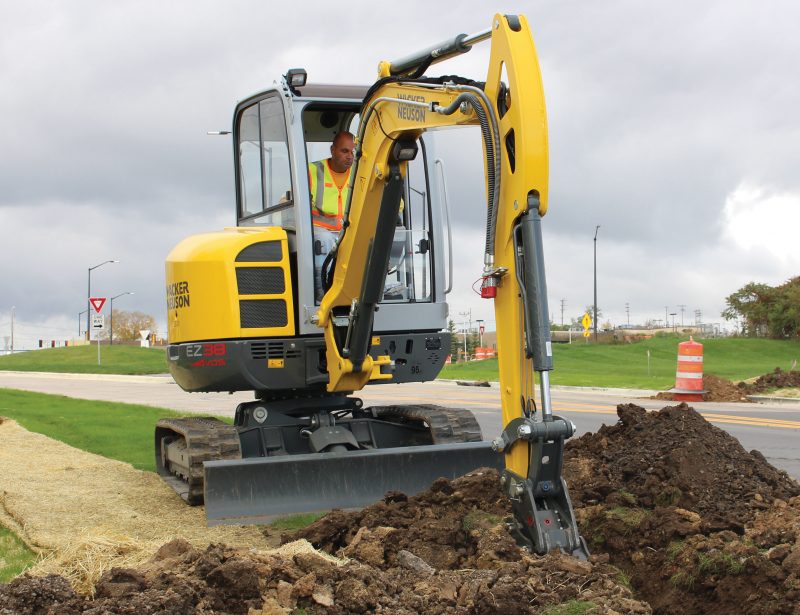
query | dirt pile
(716,389)
(777,379)
(443,554)
(698,524)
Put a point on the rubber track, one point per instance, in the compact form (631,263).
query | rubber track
(207,439)
(447,425)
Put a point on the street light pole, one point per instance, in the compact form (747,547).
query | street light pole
(111,326)
(79,320)
(595,281)
(13,308)
(89,295)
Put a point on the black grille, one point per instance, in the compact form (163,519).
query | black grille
(260,280)
(262,252)
(273,350)
(258,350)
(260,313)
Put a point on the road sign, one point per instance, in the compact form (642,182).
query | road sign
(97,303)
(587,321)
(98,322)
(482,330)
(586,333)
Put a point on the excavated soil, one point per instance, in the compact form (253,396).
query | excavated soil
(722,390)
(777,379)
(716,389)
(679,517)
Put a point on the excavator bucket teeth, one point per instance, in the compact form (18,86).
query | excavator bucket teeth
(256,490)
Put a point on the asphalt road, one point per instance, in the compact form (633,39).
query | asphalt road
(772,428)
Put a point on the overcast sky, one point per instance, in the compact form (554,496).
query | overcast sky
(675,126)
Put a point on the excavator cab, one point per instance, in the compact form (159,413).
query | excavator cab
(264,303)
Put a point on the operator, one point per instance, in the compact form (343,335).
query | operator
(329,181)
(330,185)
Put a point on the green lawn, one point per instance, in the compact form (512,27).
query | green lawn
(626,365)
(118,431)
(83,360)
(15,557)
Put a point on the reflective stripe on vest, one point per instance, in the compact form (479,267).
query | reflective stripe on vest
(328,196)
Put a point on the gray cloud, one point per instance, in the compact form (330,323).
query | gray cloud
(657,114)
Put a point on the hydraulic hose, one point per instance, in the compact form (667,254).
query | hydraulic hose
(492,165)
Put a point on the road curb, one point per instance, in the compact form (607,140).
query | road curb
(165,378)
(561,387)
(777,400)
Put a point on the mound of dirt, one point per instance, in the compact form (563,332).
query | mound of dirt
(674,457)
(182,579)
(777,379)
(716,389)
(699,524)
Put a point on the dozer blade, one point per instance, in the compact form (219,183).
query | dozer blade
(256,490)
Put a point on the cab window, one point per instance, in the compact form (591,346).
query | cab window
(264,176)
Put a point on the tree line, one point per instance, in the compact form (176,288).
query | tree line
(766,311)
(126,325)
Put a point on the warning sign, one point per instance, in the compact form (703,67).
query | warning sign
(97,303)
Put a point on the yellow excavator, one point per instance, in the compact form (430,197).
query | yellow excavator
(244,312)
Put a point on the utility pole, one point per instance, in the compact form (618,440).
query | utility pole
(563,303)
(666,320)
(468,315)
(682,308)
(13,309)
(595,281)
(628,312)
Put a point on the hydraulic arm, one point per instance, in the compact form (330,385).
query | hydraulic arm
(510,110)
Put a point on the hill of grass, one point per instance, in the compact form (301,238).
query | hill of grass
(83,360)
(627,365)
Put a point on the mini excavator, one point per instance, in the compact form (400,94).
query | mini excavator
(244,314)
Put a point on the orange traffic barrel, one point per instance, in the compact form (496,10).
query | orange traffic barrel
(689,375)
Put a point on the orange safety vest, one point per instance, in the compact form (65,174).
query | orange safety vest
(328,195)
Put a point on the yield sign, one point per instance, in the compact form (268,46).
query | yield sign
(97,303)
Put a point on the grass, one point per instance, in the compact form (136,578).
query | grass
(292,523)
(718,563)
(479,518)
(626,365)
(632,517)
(129,360)
(573,607)
(114,430)
(683,579)
(15,557)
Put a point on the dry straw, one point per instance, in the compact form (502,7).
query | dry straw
(85,514)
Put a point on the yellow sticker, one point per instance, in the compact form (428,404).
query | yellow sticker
(376,340)
(274,362)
